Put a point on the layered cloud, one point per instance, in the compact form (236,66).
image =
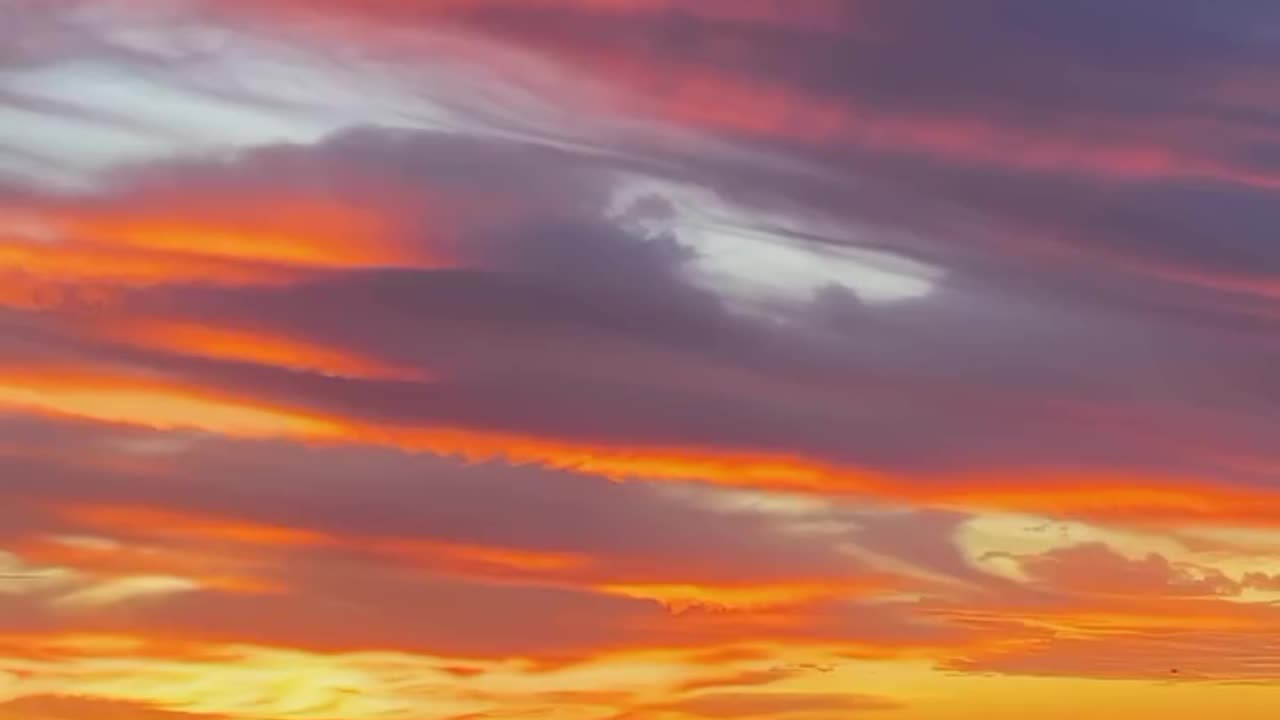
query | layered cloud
(637,359)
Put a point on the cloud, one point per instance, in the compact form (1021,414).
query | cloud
(633,364)
(1095,568)
(634,358)
(1113,610)
(880,79)
(127,589)
(122,675)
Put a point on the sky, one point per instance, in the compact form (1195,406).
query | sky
(639,359)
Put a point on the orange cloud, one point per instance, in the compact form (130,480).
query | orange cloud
(176,525)
(745,596)
(443,554)
(147,238)
(101,558)
(133,401)
(1151,499)
(240,344)
(282,230)
(171,405)
(79,273)
(1131,498)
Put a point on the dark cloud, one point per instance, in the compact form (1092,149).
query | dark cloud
(566,318)
(1122,90)
(635,531)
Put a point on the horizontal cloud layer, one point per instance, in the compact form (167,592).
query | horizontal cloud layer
(637,359)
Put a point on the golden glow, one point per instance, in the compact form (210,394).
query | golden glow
(684,596)
(107,673)
(153,406)
(229,570)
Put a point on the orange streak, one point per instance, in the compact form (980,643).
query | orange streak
(308,232)
(683,596)
(176,524)
(213,240)
(255,346)
(133,402)
(443,553)
(171,406)
(78,262)
(1101,495)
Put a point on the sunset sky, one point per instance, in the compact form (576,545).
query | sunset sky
(639,359)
